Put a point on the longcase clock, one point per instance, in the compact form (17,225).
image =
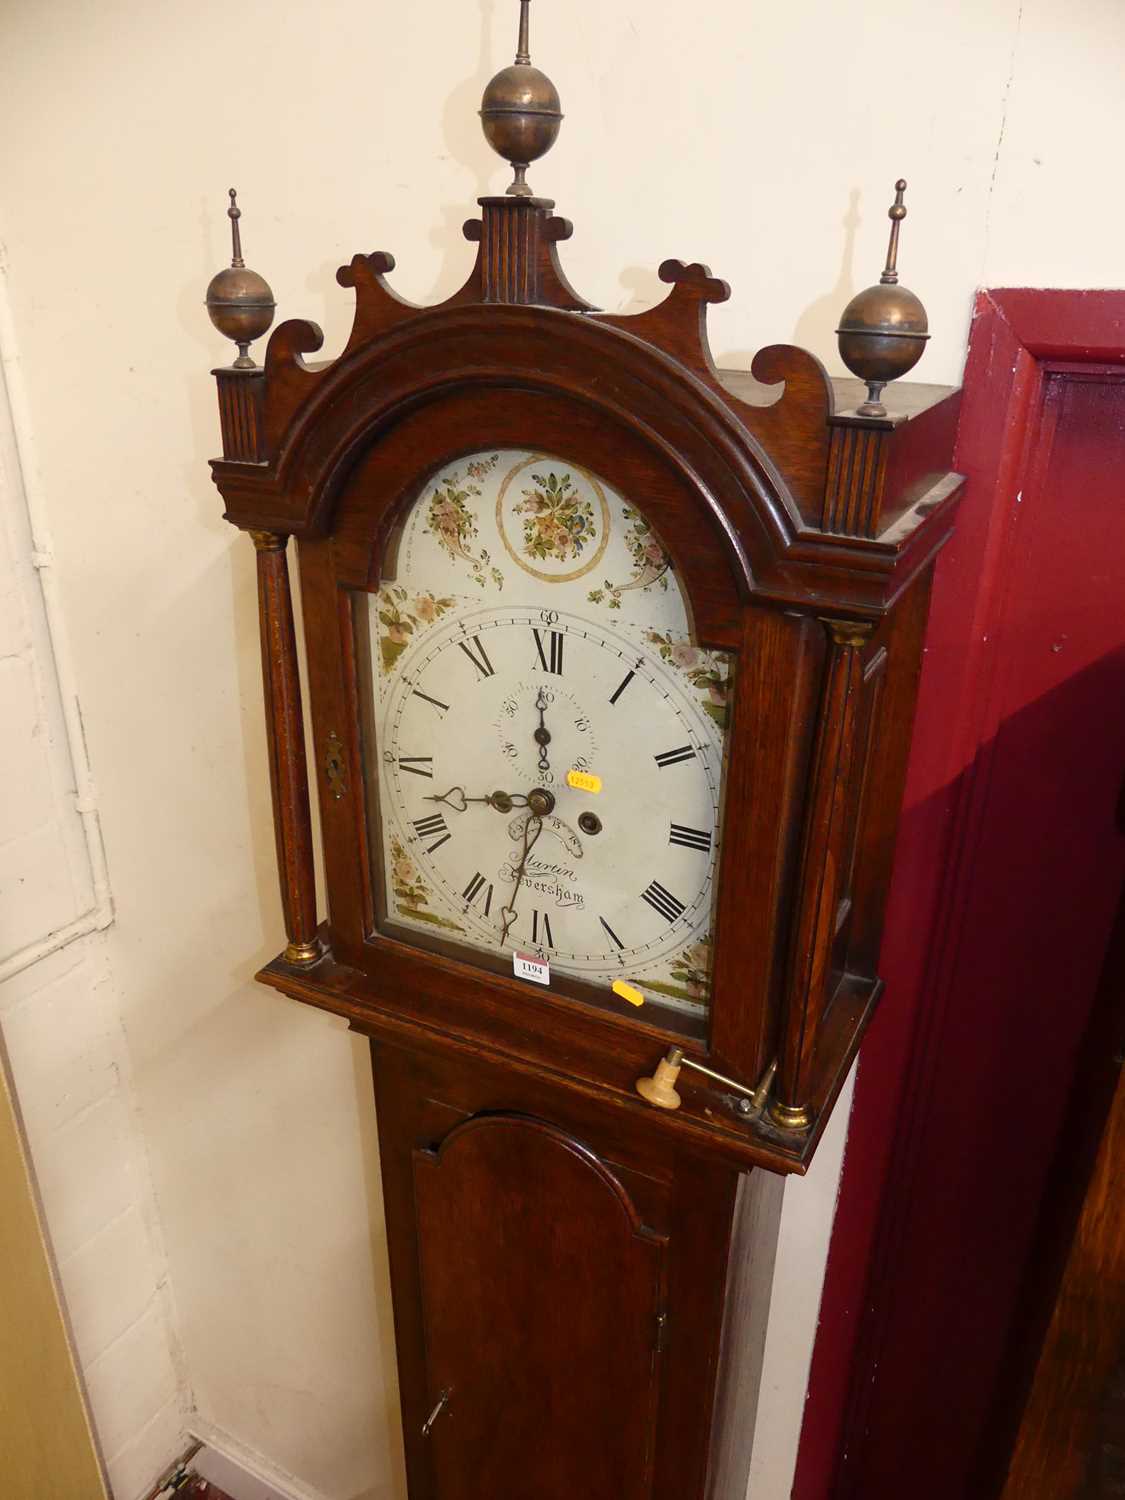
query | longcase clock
(612,659)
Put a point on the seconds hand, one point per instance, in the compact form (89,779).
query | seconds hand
(542,734)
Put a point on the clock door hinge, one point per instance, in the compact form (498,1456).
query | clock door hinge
(661,1331)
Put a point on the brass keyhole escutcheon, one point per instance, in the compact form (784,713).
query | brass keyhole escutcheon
(334,768)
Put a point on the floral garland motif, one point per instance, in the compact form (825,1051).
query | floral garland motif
(692,971)
(453,525)
(650,562)
(707,671)
(411,891)
(399,620)
(692,968)
(558,521)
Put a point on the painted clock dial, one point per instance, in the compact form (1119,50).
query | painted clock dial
(548,738)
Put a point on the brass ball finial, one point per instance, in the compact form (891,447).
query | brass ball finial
(884,329)
(520,112)
(239,301)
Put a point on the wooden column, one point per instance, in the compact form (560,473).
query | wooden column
(822,860)
(285,733)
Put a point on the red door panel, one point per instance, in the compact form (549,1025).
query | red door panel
(1035,914)
(1013,864)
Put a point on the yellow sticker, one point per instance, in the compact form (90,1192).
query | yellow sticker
(584,781)
(627,992)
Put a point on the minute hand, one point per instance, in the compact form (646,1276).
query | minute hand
(509,913)
(542,803)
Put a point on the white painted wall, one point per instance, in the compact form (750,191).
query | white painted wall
(60,1014)
(807,1211)
(761,138)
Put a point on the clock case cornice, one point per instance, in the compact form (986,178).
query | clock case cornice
(803,534)
(819,506)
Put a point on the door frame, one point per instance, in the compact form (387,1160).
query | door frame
(50,1449)
(1019,338)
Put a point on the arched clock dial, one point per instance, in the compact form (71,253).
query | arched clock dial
(550,745)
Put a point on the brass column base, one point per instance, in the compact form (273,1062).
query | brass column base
(790,1116)
(304,953)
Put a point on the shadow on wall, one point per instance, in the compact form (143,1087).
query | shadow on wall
(381,1269)
(643,287)
(468,147)
(815,329)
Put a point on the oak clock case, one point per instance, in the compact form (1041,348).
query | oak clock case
(611,663)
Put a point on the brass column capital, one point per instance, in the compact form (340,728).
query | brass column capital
(269,541)
(854,633)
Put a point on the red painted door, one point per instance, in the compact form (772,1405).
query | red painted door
(1013,866)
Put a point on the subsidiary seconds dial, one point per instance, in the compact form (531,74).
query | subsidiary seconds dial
(489,840)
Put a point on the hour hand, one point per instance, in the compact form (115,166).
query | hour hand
(455,798)
(458,801)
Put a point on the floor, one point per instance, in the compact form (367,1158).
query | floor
(202,1489)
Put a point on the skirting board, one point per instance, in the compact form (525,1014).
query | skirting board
(242,1473)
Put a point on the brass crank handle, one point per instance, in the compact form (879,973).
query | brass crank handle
(659,1090)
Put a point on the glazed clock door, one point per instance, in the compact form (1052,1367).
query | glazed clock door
(549,738)
(543,1307)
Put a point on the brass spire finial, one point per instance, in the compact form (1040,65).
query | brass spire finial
(239,301)
(523,54)
(234,213)
(520,111)
(896,213)
(884,329)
